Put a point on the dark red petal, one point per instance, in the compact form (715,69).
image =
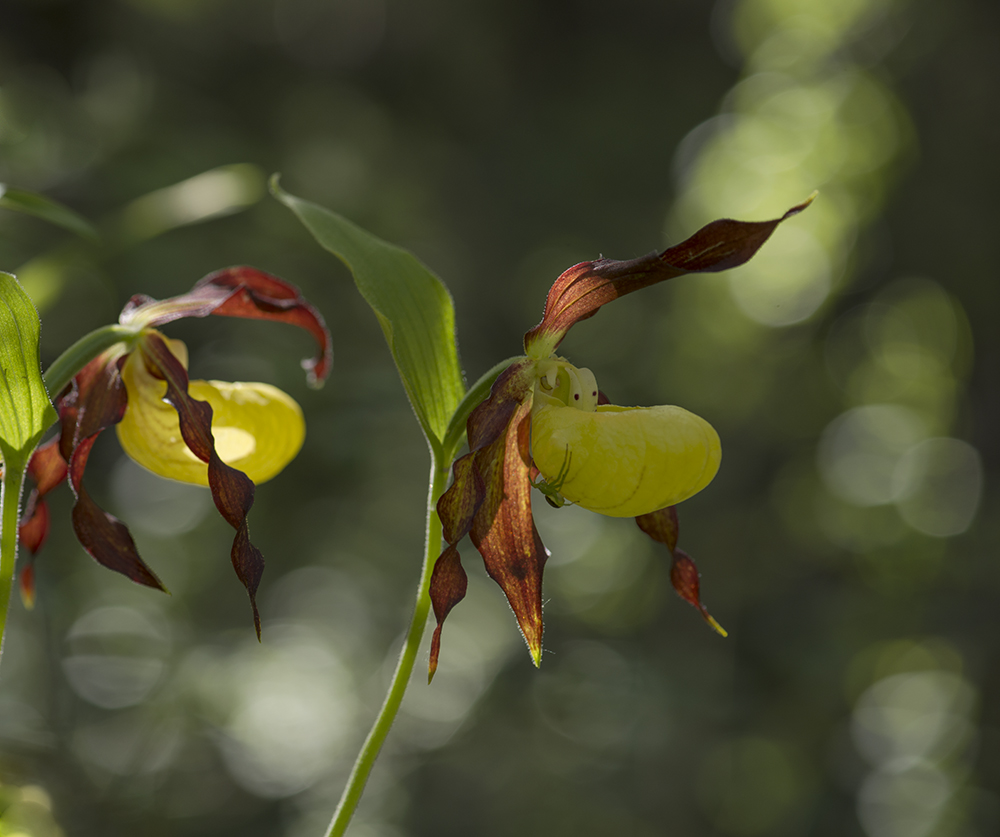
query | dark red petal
(108,541)
(487,423)
(458,505)
(449,584)
(232,490)
(504,531)
(96,401)
(262,296)
(584,288)
(241,292)
(491,498)
(662,526)
(490,419)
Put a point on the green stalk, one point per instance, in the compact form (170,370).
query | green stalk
(84,350)
(404,667)
(10,504)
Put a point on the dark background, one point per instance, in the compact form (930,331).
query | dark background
(857,692)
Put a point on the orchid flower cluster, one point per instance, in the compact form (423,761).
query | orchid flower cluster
(535,421)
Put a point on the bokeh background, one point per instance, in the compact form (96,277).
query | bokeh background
(849,543)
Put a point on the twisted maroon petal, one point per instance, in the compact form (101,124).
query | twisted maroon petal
(232,490)
(96,401)
(580,292)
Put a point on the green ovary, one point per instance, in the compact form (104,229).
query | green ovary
(624,461)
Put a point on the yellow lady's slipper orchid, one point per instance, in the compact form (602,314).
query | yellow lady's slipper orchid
(257,428)
(221,435)
(545,417)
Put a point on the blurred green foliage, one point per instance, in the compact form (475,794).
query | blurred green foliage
(848,545)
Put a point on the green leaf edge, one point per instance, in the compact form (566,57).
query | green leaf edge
(31,203)
(434,409)
(28,411)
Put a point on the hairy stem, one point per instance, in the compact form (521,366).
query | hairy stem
(404,667)
(10,504)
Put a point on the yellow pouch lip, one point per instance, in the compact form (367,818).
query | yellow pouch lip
(258,428)
(624,461)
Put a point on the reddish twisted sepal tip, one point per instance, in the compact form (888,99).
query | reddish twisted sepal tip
(684,577)
(663,527)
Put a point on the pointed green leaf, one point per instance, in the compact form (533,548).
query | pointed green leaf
(46,209)
(412,305)
(25,409)
(25,414)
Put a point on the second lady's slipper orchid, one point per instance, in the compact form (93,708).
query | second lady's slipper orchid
(222,435)
(547,425)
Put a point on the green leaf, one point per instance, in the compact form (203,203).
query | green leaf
(25,414)
(25,409)
(412,305)
(46,209)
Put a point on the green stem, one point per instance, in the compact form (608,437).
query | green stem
(404,667)
(84,350)
(10,504)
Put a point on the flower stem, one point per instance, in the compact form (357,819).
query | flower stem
(84,350)
(404,667)
(10,504)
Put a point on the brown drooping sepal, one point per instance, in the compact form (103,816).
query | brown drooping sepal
(47,469)
(458,505)
(449,584)
(47,466)
(96,401)
(462,504)
(240,292)
(684,576)
(232,490)
(504,532)
(489,498)
(662,526)
(108,540)
(580,292)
